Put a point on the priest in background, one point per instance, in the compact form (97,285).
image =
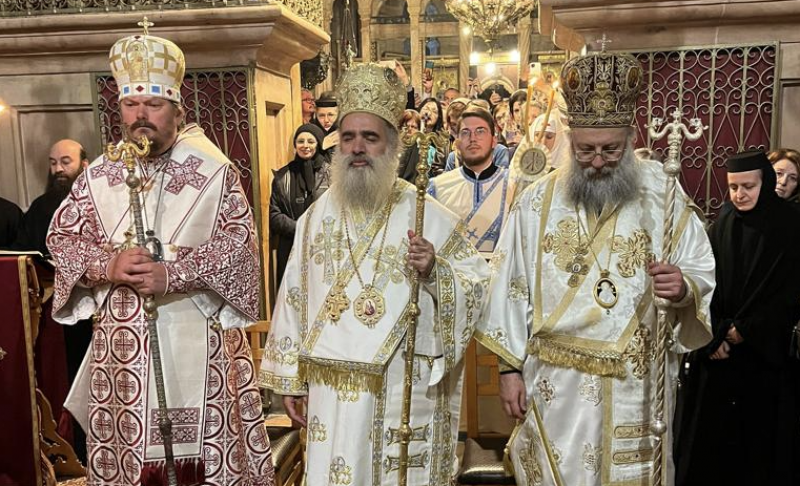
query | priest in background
(337,341)
(206,290)
(67,161)
(571,312)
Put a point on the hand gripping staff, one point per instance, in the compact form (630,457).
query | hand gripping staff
(438,140)
(672,167)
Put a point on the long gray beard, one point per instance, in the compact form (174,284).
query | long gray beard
(364,188)
(595,189)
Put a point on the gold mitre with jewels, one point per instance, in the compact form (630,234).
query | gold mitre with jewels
(371,88)
(148,66)
(601,89)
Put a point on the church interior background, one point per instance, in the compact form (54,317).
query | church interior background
(735,65)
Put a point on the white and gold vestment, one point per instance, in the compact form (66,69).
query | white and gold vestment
(352,372)
(585,345)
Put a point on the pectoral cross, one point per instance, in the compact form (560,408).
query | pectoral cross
(578,266)
(336,303)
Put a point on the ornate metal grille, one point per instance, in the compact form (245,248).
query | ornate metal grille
(219,101)
(731,89)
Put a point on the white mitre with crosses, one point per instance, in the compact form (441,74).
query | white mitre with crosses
(146,65)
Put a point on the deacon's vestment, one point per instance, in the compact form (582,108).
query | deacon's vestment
(590,371)
(195,203)
(351,368)
(482,201)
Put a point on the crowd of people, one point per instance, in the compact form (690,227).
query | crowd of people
(542,239)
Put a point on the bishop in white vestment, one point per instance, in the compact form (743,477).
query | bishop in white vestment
(342,313)
(571,300)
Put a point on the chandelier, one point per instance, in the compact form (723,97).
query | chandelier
(488,18)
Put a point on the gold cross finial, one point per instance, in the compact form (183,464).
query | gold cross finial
(603,42)
(145,25)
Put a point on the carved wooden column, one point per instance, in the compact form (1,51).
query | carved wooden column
(414,9)
(464,50)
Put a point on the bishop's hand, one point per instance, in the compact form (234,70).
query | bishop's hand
(291,405)
(512,395)
(668,281)
(137,268)
(421,255)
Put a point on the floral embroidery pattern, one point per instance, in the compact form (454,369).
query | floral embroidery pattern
(634,252)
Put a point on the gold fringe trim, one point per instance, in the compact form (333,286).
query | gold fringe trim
(346,377)
(598,363)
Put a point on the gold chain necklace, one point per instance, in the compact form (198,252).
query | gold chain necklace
(605,291)
(369,306)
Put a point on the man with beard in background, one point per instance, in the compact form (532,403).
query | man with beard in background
(478,190)
(338,331)
(67,161)
(571,312)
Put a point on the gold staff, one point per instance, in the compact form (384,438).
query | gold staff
(438,140)
(672,167)
(129,152)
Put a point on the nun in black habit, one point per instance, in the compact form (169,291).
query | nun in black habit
(737,420)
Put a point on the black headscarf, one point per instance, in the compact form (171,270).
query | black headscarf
(326,100)
(756,264)
(306,168)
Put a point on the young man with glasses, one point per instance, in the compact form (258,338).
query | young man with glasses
(478,190)
(571,308)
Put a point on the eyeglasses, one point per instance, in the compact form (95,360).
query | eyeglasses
(466,134)
(606,155)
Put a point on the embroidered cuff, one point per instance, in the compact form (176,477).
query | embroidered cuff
(504,367)
(688,298)
(181,278)
(97,271)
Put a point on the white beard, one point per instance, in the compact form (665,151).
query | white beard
(364,188)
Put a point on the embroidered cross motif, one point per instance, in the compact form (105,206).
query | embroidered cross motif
(131,468)
(529,459)
(639,352)
(112,171)
(340,472)
(635,252)
(123,301)
(546,390)
(102,425)
(123,345)
(210,458)
(260,440)
(105,463)
(317,432)
(99,345)
(391,266)
(327,248)
(250,405)
(570,253)
(126,387)
(184,174)
(129,428)
(241,372)
(100,384)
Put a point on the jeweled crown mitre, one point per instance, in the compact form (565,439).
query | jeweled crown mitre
(601,89)
(371,88)
(147,65)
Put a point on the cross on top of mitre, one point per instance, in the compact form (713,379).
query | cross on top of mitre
(604,41)
(145,25)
